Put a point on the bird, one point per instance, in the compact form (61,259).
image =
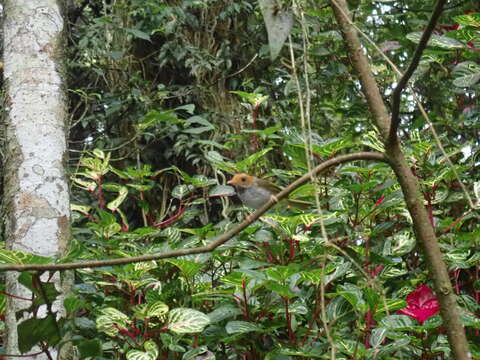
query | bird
(255,192)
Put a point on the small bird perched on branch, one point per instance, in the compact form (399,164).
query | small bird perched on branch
(255,192)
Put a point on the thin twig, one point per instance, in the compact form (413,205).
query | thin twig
(396,97)
(420,107)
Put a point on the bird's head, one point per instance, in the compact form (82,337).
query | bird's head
(243,180)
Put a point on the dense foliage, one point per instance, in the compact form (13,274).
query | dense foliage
(169,99)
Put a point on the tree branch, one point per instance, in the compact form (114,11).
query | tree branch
(396,97)
(214,244)
(424,232)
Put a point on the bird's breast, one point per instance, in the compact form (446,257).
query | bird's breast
(254,196)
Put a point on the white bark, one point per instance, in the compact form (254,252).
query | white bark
(36,202)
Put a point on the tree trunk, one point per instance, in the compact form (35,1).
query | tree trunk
(36,207)
(424,231)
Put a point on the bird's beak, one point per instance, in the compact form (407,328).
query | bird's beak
(230,182)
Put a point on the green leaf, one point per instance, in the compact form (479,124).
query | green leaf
(352,294)
(205,125)
(34,330)
(282,273)
(437,40)
(154,116)
(187,321)
(397,322)
(199,353)
(150,353)
(223,312)
(188,268)
(221,190)
(73,304)
(241,327)
(466,74)
(244,165)
(182,190)
(189,108)
(390,348)
(472,19)
(138,33)
(122,194)
(377,336)
(282,290)
(89,348)
(391,305)
(216,159)
(156,309)
(110,319)
(338,308)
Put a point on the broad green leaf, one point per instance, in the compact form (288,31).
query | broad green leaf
(244,165)
(203,125)
(187,321)
(150,353)
(189,108)
(122,194)
(110,319)
(199,353)
(223,312)
(156,309)
(253,98)
(390,348)
(154,116)
(472,19)
(353,294)
(282,290)
(12,257)
(218,161)
(83,209)
(282,273)
(466,74)
(188,268)
(391,305)
(182,190)
(35,330)
(338,308)
(235,278)
(73,303)
(241,327)
(437,40)
(138,34)
(89,348)
(377,336)
(397,322)
(221,190)
(87,185)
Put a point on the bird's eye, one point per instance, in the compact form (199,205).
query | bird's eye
(244,179)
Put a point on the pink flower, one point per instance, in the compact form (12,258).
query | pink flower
(422,304)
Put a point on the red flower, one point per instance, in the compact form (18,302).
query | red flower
(422,304)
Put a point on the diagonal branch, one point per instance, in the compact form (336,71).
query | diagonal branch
(396,97)
(375,156)
(424,232)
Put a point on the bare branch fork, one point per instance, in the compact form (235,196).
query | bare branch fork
(402,83)
(424,231)
(375,156)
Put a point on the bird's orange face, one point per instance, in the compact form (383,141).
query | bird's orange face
(242,180)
